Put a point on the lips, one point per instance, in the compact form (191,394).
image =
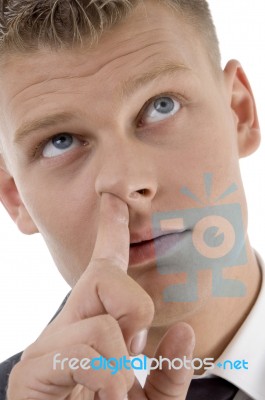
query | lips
(148,235)
(144,251)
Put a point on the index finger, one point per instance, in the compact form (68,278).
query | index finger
(104,287)
(111,249)
(113,238)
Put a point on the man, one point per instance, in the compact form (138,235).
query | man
(113,114)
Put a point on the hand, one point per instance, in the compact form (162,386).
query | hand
(105,314)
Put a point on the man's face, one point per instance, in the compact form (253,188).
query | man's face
(126,128)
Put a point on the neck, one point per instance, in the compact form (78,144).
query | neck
(216,324)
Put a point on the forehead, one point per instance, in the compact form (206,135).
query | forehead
(152,36)
(150,30)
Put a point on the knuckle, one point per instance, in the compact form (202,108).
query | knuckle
(109,330)
(76,350)
(109,324)
(97,271)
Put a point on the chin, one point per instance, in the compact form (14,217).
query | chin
(169,313)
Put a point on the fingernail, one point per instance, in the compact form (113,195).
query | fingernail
(139,341)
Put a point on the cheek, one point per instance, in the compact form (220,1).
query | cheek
(204,138)
(66,216)
(211,140)
(186,166)
(198,168)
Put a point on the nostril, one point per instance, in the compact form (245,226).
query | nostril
(138,193)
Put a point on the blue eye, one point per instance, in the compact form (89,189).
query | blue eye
(160,109)
(60,144)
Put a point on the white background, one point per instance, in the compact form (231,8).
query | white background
(31,289)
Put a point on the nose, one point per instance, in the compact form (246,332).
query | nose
(127,171)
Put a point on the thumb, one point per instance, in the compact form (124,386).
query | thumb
(171,383)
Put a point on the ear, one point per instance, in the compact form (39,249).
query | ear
(243,107)
(12,202)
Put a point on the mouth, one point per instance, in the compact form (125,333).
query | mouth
(148,251)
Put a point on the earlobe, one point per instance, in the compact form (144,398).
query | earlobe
(244,109)
(12,202)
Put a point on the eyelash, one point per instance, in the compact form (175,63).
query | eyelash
(36,152)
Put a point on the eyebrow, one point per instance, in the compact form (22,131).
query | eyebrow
(131,85)
(41,123)
(127,88)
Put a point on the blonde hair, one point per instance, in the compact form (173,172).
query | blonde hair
(27,25)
